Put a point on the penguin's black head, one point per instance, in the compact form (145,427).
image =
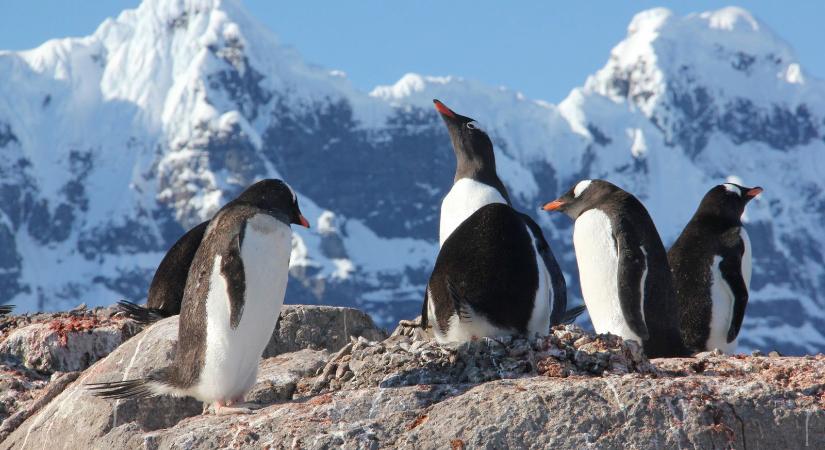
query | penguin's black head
(727,202)
(586,194)
(473,147)
(275,198)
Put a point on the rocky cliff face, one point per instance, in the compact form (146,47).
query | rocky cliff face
(350,387)
(111,145)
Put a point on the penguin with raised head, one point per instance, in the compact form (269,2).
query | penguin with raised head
(169,281)
(625,278)
(711,263)
(231,303)
(495,273)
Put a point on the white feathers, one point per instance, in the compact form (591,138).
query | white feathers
(642,283)
(733,188)
(598,262)
(292,191)
(474,125)
(465,198)
(723,300)
(540,316)
(721,310)
(232,355)
(746,257)
(580,187)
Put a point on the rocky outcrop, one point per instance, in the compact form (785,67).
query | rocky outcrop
(567,390)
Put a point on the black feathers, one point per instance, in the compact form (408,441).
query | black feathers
(135,389)
(5,309)
(571,314)
(142,314)
(486,266)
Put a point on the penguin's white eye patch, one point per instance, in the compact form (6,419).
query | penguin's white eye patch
(474,125)
(733,189)
(291,191)
(580,187)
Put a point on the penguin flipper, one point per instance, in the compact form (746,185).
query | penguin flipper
(232,269)
(460,305)
(141,314)
(5,309)
(632,270)
(731,268)
(571,314)
(558,285)
(424,306)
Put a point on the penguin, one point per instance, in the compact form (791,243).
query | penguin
(231,303)
(476,182)
(711,263)
(475,185)
(488,280)
(625,278)
(169,281)
(6,309)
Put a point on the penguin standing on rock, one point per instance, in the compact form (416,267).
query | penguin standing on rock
(625,278)
(169,282)
(231,303)
(495,273)
(711,263)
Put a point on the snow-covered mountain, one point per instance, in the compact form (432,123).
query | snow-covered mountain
(112,144)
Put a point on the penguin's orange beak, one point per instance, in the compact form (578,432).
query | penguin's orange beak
(442,108)
(554,205)
(754,192)
(304,221)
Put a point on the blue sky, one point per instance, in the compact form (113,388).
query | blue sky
(541,48)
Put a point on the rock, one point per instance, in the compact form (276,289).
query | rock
(76,419)
(567,390)
(745,408)
(403,361)
(278,377)
(64,342)
(319,327)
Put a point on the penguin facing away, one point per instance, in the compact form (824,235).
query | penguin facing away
(169,281)
(625,278)
(475,185)
(711,263)
(487,280)
(231,303)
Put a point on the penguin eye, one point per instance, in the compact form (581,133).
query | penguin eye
(472,125)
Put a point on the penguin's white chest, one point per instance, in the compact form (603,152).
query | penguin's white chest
(465,198)
(722,300)
(232,354)
(598,263)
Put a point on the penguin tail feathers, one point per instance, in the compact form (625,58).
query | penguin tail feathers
(5,309)
(571,314)
(138,388)
(141,314)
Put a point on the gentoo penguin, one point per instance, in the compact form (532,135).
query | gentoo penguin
(5,309)
(475,185)
(231,303)
(711,263)
(625,279)
(166,290)
(488,281)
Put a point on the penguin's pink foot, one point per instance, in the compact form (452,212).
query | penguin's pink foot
(223,409)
